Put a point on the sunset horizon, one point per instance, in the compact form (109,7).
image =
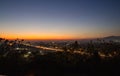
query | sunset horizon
(59,37)
(61,19)
(31,37)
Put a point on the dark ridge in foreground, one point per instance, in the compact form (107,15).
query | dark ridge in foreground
(61,64)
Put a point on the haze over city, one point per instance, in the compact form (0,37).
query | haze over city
(59,19)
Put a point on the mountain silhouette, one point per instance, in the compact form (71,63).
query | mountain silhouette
(112,38)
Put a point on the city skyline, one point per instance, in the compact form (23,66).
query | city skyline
(59,19)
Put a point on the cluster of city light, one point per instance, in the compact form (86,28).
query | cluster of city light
(21,48)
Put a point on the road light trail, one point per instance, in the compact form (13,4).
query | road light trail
(47,48)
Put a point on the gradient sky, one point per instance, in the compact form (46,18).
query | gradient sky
(59,19)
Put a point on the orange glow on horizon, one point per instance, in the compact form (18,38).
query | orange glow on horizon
(41,37)
(33,36)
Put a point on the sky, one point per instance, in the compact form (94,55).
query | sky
(59,19)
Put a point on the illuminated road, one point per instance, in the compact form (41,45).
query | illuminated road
(55,49)
(47,48)
(44,48)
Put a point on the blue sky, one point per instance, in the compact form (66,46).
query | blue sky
(59,18)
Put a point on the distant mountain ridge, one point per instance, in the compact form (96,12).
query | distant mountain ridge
(112,38)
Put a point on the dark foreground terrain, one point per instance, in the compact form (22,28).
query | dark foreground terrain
(60,64)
